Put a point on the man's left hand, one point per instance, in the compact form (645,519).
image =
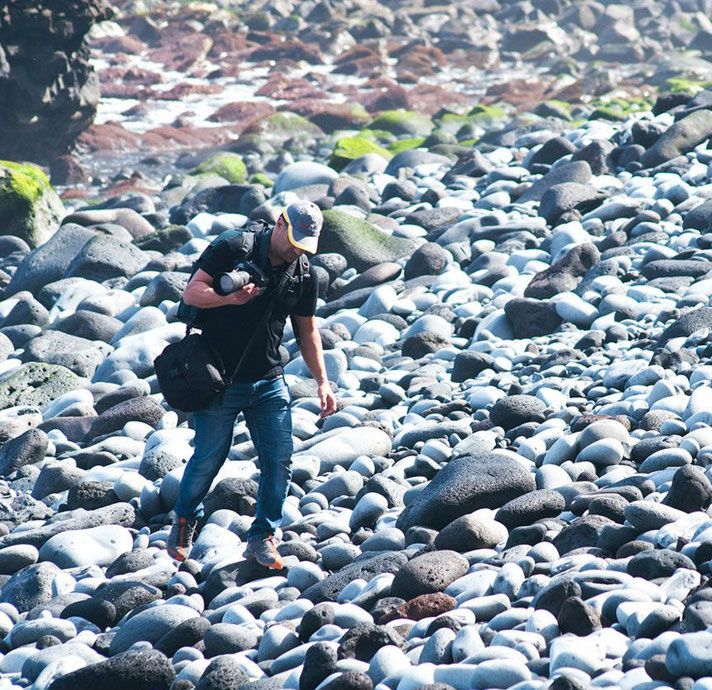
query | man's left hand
(327,400)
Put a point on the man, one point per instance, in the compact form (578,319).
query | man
(258,389)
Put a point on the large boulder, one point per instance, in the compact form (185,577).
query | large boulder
(362,244)
(37,384)
(48,89)
(29,207)
(49,262)
(138,670)
(680,138)
(464,485)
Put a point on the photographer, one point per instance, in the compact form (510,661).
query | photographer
(258,389)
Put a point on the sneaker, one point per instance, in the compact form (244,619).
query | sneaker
(264,551)
(180,539)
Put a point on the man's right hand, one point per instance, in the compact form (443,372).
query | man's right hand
(242,296)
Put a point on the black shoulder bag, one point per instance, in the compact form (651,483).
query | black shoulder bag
(191,372)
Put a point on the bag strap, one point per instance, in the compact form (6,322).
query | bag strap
(281,286)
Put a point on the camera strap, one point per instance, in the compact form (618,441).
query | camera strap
(278,292)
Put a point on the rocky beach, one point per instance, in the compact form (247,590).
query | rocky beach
(515,304)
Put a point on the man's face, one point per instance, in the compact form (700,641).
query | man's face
(283,247)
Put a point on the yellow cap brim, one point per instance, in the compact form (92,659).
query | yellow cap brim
(308,244)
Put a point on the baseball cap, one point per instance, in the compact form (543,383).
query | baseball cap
(304,222)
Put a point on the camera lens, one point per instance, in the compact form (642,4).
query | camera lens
(227,283)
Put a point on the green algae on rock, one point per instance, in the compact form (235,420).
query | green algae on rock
(348,149)
(37,384)
(403,122)
(229,166)
(29,207)
(360,243)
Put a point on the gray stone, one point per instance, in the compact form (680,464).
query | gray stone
(565,274)
(138,670)
(104,257)
(681,137)
(575,171)
(150,625)
(76,354)
(531,507)
(470,532)
(464,485)
(429,573)
(514,410)
(37,384)
(30,586)
(48,262)
(25,449)
(143,409)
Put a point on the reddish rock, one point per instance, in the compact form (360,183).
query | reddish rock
(292,50)
(281,87)
(227,42)
(330,116)
(66,170)
(419,60)
(430,98)
(109,137)
(181,55)
(242,112)
(383,94)
(166,138)
(427,605)
(423,606)
(119,44)
(524,94)
(129,91)
(135,75)
(183,89)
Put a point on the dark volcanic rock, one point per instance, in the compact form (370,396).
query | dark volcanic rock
(26,449)
(428,259)
(319,663)
(658,563)
(687,324)
(577,617)
(144,409)
(531,317)
(328,589)
(565,274)
(690,490)
(363,640)
(575,171)
(429,573)
(468,364)
(138,670)
(464,485)
(49,91)
(223,673)
(681,137)
(514,410)
(527,509)
(584,531)
(30,586)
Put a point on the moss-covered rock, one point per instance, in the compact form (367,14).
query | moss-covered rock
(229,166)
(682,85)
(279,127)
(362,244)
(29,207)
(37,384)
(486,115)
(348,149)
(403,122)
(405,144)
(261,178)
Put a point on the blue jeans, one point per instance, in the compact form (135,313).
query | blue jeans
(267,409)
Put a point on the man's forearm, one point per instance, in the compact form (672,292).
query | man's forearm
(313,355)
(203,296)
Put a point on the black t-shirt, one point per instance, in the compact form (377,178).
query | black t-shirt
(229,328)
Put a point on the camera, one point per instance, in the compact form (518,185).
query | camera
(241,275)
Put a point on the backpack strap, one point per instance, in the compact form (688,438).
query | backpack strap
(242,244)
